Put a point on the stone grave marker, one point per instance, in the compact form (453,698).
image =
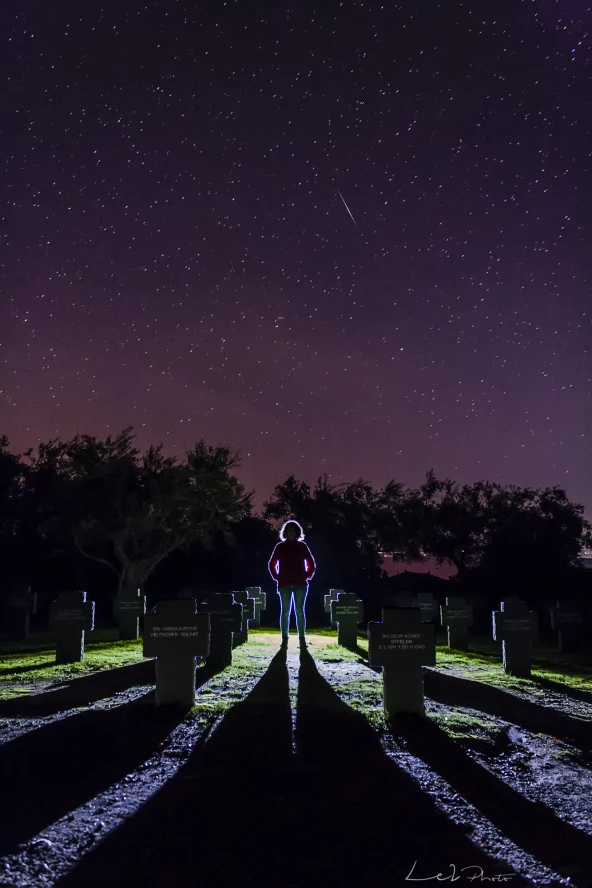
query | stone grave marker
(569,625)
(18,605)
(347,611)
(176,635)
(428,607)
(404,598)
(225,618)
(402,644)
(248,603)
(332,596)
(129,607)
(456,615)
(516,627)
(70,616)
(260,604)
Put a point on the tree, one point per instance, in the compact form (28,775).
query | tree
(509,533)
(128,512)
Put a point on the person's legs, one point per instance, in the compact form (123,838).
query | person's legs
(300,593)
(285,593)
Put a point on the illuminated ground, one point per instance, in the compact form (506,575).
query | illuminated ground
(286,773)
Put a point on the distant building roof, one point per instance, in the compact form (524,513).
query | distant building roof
(415,581)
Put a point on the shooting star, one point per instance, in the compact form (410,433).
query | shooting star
(346,207)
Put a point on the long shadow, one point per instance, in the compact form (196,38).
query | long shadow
(566,690)
(454,691)
(222,818)
(80,691)
(531,825)
(18,670)
(246,810)
(382,823)
(52,770)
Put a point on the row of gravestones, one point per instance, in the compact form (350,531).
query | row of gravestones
(226,617)
(456,616)
(403,643)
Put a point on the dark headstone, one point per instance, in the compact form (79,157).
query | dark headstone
(225,618)
(347,611)
(130,605)
(516,627)
(428,607)
(332,596)
(70,616)
(18,605)
(248,604)
(260,604)
(404,598)
(456,615)
(569,625)
(176,635)
(402,644)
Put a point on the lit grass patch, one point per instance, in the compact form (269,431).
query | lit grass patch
(34,666)
(335,653)
(488,668)
(364,695)
(460,725)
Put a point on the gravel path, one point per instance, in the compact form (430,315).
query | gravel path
(519,797)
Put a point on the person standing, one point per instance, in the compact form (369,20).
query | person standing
(292,566)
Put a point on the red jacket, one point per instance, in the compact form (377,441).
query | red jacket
(292,563)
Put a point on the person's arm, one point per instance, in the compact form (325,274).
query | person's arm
(310,563)
(272,563)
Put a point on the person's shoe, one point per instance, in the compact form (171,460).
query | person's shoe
(284,641)
(302,640)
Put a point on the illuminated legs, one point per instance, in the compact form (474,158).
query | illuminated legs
(298,595)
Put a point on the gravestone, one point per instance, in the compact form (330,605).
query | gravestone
(347,611)
(225,618)
(456,615)
(248,613)
(18,605)
(569,625)
(332,596)
(176,635)
(516,627)
(260,605)
(402,644)
(69,618)
(404,598)
(129,607)
(428,607)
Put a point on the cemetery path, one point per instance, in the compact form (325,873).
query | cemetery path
(285,775)
(258,806)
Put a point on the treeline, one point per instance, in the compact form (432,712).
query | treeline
(98,514)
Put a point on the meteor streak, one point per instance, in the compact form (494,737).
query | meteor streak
(346,207)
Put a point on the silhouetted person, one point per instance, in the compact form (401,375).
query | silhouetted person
(292,566)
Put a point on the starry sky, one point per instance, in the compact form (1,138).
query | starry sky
(343,237)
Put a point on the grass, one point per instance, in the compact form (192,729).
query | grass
(466,728)
(226,688)
(39,664)
(486,666)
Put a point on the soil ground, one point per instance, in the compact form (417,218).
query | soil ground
(286,772)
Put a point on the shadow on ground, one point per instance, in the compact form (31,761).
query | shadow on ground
(454,691)
(80,691)
(562,688)
(530,825)
(59,766)
(52,770)
(248,809)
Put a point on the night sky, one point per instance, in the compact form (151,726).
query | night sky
(351,238)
